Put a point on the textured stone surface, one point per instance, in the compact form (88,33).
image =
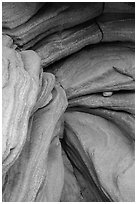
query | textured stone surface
(69,102)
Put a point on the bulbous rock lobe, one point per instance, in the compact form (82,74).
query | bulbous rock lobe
(20,81)
(110,151)
(41,155)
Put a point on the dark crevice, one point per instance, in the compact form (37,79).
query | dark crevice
(123,73)
(101,93)
(86,109)
(102,34)
(5,182)
(94,184)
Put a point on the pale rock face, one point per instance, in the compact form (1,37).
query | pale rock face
(20,87)
(31,146)
(40,158)
(84,106)
(111,152)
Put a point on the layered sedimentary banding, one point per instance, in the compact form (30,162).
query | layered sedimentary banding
(20,81)
(16,13)
(103,68)
(52,18)
(106,28)
(90,50)
(117,101)
(110,151)
(40,156)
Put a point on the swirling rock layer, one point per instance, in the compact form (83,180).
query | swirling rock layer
(20,87)
(68,103)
